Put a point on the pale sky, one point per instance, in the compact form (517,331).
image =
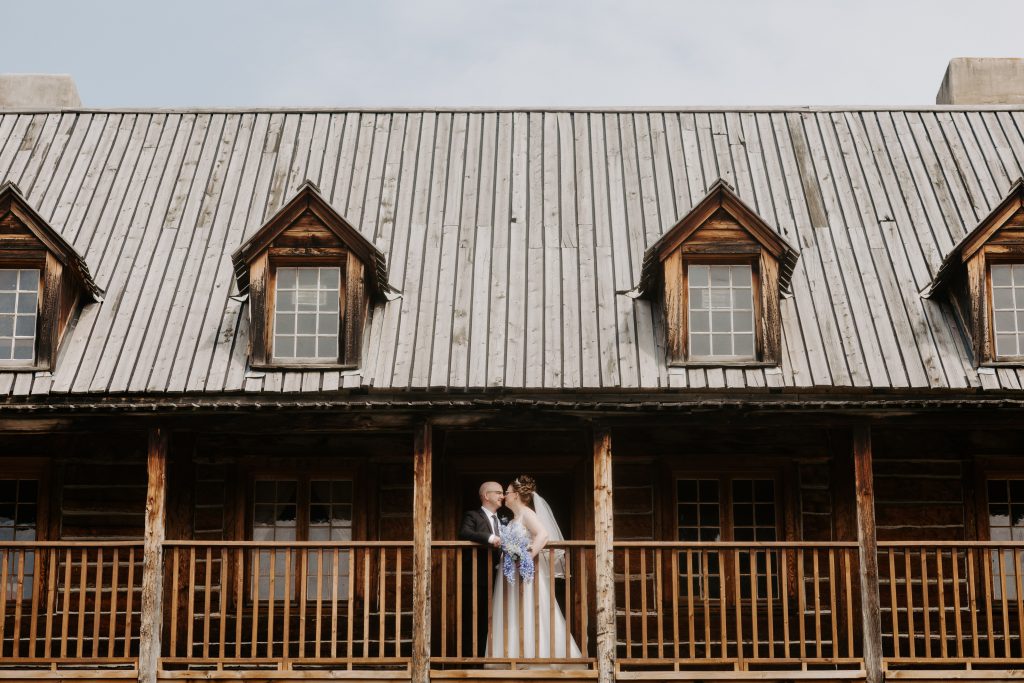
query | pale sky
(549,53)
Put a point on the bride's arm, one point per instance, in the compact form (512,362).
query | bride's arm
(537,530)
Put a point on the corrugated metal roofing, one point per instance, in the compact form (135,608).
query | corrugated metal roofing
(510,235)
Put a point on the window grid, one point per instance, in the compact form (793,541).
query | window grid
(276,517)
(1008,308)
(306,316)
(19,294)
(721,311)
(1005,523)
(698,515)
(19,500)
(753,514)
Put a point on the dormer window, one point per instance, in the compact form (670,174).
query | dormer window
(719,273)
(43,283)
(310,278)
(983,278)
(19,301)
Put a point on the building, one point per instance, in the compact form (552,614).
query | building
(766,365)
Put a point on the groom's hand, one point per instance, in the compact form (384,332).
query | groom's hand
(495,541)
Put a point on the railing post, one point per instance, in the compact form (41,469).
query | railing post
(151,620)
(867,542)
(421,536)
(604,559)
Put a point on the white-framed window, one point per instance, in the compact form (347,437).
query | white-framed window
(306,313)
(721,311)
(1008,308)
(19,302)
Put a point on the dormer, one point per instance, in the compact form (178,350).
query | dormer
(983,277)
(43,283)
(310,278)
(719,274)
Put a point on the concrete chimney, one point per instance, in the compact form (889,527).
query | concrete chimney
(38,91)
(982,80)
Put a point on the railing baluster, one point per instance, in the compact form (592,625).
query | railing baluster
(972,600)
(784,582)
(817,603)
(207,589)
(190,615)
(958,618)
(33,624)
(940,577)
(643,602)
(989,595)
(769,582)
(51,596)
(80,644)
(398,601)
(112,626)
(926,604)
(627,580)
(18,594)
(1005,605)
(4,555)
(222,606)
(1020,598)
(65,605)
(908,582)
(97,617)
(832,601)
(801,601)
(286,603)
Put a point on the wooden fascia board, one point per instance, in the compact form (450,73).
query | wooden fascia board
(991,225)
(12,201)
(309,200)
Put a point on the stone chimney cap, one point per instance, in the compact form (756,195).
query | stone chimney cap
(38,91)
(982,80)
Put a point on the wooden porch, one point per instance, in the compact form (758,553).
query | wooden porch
(398,601)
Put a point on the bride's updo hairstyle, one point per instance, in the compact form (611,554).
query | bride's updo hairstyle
(525,485)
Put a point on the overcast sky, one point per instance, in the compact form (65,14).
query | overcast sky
(521,53)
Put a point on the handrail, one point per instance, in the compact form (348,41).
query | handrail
(551,544)
(736,545)
(287,544)
(71,544)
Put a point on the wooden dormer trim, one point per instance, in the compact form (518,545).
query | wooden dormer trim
(28,241)
(307,231)
(719,229)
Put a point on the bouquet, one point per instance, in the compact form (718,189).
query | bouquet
(515,549)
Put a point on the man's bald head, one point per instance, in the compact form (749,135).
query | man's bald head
(491,495)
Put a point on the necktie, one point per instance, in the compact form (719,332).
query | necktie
(494,523)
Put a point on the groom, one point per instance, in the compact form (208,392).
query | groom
(481,525)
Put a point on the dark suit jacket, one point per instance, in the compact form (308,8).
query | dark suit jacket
(476,527)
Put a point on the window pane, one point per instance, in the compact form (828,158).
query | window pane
(308,278)
(25,326)
(23,349)
(26,302)
(699,321)
(286,301)
(7,302)
(721,321)
(721,345)
(305,347)
(286,323)
(719,276)
(329,278)
(743,345)
(1002,298)
(8,280)
(1001,275)
(328,323)
(700,345)
(286,278)
(327,347)
(6,325)
(305,323)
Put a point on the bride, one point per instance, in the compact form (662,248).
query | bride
(542,633)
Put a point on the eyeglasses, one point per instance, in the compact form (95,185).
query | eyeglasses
(490,492)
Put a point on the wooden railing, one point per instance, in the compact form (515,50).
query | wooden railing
(332,604)
(684,605)
(951,602)
(67,602)
(464,622)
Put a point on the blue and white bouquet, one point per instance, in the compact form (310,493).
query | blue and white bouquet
(515,550)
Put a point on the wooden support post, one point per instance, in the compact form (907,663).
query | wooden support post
(867,542)
(604,558)
(421,536)
(151,621)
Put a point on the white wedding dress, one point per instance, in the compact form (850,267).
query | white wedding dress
(542,633)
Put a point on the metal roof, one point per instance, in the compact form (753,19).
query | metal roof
(510,236)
